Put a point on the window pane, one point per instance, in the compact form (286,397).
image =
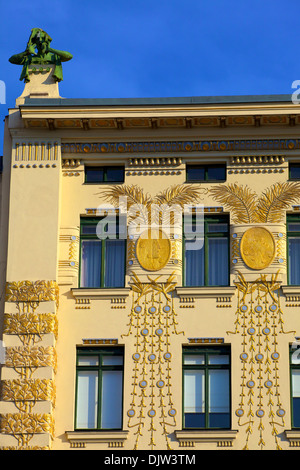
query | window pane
(88,229)
(194,398)
(294,227)
(115,174)
(218,359)
(218,400)
(112,360)
(88,360)
(294,260)
(194,265)
(87,392)
(90,263)
(194,359)
(216,173)
(218,261)
(213,228)
(296,412)
(114,263)
(195,173)
(94,175)
(296,383)
(111,400)
(296,397)
(295,172)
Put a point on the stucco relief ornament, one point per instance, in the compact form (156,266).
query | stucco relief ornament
(37,53)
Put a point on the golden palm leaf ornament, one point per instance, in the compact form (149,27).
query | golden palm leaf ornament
(246,207)
(275,200)
(239,199)
(135,199)
(156,209)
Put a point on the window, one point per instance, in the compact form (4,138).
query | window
(102,260)
(208,265)
(104,174)
(198,173)
(206,388)
(99,388)
(293,248)
(294,169)
(295,386)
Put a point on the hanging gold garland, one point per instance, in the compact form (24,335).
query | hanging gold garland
(259,320)
(152,321)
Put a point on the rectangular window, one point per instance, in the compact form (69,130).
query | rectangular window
(202,173)
(207,265)
(99,388)
(295,386)
(294,170)
(102,261)
(293,249)
(104,174)
(206,388)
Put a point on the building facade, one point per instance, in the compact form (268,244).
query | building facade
(181,337)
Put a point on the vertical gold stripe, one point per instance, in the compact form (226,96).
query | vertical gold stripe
(17,151)
(29,151)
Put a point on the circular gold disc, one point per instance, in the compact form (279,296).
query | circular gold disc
(258,248)
(153,249)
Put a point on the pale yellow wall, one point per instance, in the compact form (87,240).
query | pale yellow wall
(45,204)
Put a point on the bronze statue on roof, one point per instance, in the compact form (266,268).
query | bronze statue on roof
(38,52)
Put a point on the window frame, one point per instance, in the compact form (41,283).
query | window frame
(105,351)
(206,167)
(104,168)
(93,221)
(290,218)
(295,165)
(292,367)
(208,219)
(206,351)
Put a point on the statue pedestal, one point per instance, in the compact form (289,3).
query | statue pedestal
(41,84)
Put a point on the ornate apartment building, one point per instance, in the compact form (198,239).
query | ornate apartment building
(150,270)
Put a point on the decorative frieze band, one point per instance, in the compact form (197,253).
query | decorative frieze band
(181,146)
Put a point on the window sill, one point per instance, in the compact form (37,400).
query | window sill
(206,292)
(99,293)
(293,436)
(223,438)
(291,293)
(79,439)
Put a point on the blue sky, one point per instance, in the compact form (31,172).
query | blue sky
(158,48)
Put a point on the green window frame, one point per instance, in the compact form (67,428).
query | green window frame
(104,174)
(205,173)
(216,228)
(295,386)
(206,379)
(293,249)
(97,268)
(99,388)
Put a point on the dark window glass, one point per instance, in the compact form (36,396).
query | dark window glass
(216,173)
(205,173)
(113,174)
(295,171)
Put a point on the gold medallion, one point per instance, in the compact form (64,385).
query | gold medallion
(258,248)
(153,249)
